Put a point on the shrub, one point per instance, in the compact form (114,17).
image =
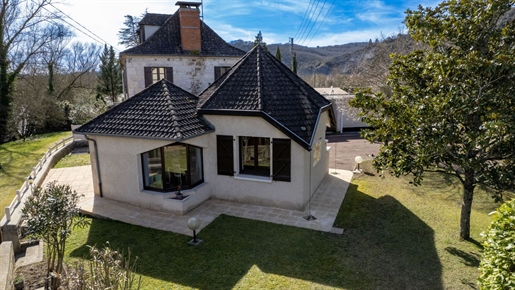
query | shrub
(498,263)
(51,214)
(107,269)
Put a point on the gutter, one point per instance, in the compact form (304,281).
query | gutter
(98,165)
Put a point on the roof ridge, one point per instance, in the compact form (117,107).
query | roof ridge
(259,77)
(229,74)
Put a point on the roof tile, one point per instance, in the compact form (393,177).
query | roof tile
(167,41)
(161,111)
(261,84)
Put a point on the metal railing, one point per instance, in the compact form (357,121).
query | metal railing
(27,184)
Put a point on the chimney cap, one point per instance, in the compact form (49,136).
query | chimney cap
(187,4)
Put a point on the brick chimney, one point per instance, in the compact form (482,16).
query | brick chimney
(189,19)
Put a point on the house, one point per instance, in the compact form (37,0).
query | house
(256,136)
(347,118)
(180,48)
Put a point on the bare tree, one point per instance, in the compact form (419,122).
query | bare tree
(372,69)
(25,28)
(49,93)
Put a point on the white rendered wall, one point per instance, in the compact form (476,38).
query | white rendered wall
(122,178)
(291,195)
(320,170)
(191,73)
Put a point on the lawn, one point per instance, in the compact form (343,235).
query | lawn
(72,160)
(17,159)
(397,236)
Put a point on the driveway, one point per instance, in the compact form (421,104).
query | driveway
(345,147)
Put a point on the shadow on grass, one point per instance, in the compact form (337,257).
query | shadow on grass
(390,246)
(469,259)
(384,246)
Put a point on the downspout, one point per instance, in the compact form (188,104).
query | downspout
(98,165)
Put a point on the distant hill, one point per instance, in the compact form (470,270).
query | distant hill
(365,59)
(327,59)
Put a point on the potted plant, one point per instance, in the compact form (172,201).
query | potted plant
(18,283)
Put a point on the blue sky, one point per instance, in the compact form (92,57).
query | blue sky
(310,22)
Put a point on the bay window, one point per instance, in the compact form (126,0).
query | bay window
(167,167)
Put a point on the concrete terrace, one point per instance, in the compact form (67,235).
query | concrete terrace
(324,205)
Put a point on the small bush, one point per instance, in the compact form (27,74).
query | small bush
(107,269)
(498,264)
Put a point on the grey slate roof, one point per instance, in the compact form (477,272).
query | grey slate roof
(161,111)
(260,85)
(167,41)
(154,19)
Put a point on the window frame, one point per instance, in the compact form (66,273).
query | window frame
(167,183)
(148,74)
(280,158)
(257,169)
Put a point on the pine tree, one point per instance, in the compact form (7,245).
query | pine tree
(259,41)
(128,35)
(278,54)
(110,78)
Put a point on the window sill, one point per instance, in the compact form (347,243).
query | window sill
(257,178)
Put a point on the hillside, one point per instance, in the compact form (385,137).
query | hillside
(337,58)
(359,64)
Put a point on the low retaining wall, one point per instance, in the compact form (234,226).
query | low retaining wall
(10,226)
(6,265)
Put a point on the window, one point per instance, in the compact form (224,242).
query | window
(224,155)
(255,155)
(220,70)
(167,167)
(155,74)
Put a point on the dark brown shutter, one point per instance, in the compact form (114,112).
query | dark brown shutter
(224,155)
(218,72)
(148,76)
(169,74)
(281,159)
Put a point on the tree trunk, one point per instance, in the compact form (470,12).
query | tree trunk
(466,205)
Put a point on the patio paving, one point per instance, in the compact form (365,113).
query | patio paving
(324,205)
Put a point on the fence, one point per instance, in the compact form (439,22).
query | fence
(28,183)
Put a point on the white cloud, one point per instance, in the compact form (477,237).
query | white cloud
(351,36)
(288,6)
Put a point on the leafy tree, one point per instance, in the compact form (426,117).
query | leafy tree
(51,214)
(128,35)
(452,106)
(498,262)
(110,78)
(24,31)
(278,53)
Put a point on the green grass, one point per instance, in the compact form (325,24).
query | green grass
(17,159)
(72,160)
(397,236)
